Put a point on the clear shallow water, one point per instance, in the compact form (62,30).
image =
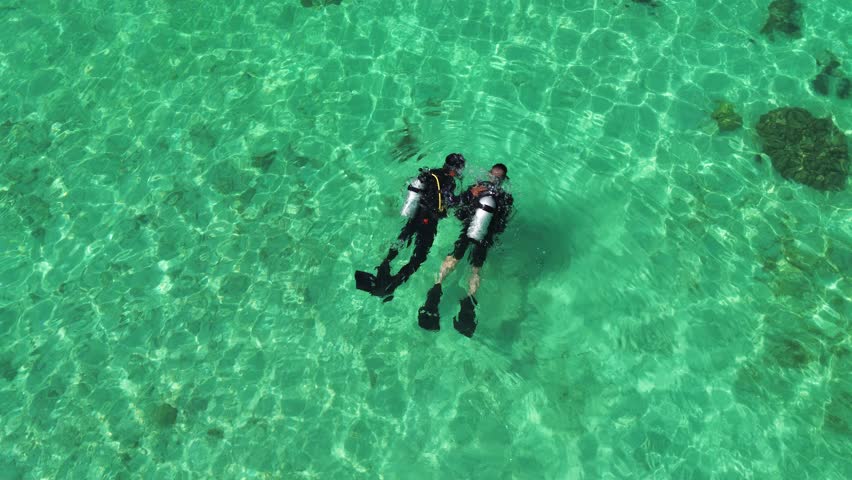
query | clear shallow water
(177,302)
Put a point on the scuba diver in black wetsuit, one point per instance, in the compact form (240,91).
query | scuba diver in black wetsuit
(484,212)
(429,196)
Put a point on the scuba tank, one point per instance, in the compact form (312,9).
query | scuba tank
(485,208)
(412,201)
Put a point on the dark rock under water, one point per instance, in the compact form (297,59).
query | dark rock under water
(319,3)
(785,17)
(726,117)
(843,89)
(806,149)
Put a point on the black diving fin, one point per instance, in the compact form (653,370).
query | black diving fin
(427,316)
(465,322)
(379,285)
(365,281)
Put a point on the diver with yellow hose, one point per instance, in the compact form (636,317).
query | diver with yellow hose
(430,194)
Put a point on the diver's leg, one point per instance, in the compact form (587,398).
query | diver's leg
(477,258)
(383,270)
(453,258)
(427,316)
(466,322)
(449,264)
(473,283)
(408,231)
(422,244)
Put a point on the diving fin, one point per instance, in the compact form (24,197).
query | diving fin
(375,285)
(465,322)
(386,283)
(427,316)
(365,281)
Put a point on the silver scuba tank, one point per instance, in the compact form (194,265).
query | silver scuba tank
(481,218)
(412,201)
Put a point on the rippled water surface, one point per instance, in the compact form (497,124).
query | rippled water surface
(187,187)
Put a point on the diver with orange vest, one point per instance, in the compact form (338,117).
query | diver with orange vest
(484,210)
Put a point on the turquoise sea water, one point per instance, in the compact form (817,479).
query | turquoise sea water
(187,187)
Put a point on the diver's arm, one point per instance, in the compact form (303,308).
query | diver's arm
(506,212)
(450,198)
(477,190)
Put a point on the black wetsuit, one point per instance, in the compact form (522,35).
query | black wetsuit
(422,227)
(466,212)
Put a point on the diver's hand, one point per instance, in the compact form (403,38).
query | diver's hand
(477,190)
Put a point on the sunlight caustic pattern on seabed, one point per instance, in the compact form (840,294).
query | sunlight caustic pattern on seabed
(187,187)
